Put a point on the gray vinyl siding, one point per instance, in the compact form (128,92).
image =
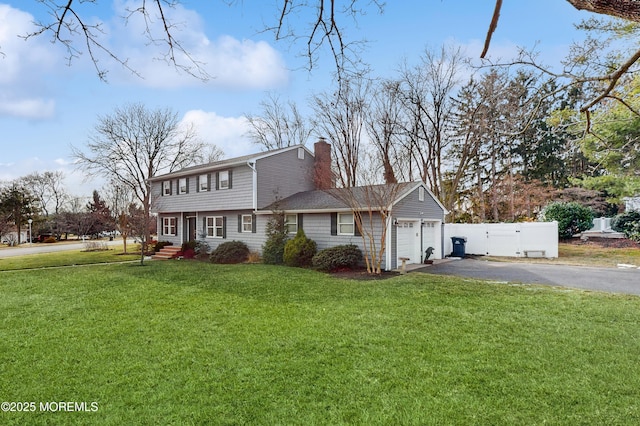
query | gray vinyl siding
(317,226)
(239,196)
(253,240)
(282,175)
(411,207)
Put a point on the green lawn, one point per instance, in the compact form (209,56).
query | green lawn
(183,342)
(66,258)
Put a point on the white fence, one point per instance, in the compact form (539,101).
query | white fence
(527,239)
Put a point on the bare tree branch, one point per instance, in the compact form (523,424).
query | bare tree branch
(492,28)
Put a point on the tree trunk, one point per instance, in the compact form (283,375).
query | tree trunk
(625,9)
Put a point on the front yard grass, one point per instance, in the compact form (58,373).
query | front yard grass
(184,342)
(66,258)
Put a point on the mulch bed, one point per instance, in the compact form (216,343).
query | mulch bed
(603,242)
(361,274)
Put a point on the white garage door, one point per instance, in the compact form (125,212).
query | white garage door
(408,244)
(431,238)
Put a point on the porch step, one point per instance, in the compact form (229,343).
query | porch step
(167,252)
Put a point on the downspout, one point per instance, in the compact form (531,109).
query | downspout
(252,166)
(421,240)
(389,241)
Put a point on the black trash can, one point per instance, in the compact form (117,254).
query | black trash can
(458,246)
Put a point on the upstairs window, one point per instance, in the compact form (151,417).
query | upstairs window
(223,180)
(203,183)
(421,193)
(166,187)
(183,186)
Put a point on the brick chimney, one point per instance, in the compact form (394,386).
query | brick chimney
(322,174)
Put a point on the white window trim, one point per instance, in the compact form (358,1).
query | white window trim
(220,175)
(168,226)
(204,183)
(214,227)
(421,193)
(245,223)
(180,186)
(341,223)
(166,187)
(294,222)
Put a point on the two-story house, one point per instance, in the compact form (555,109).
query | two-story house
(233,200)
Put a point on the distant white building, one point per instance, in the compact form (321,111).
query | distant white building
(631,203)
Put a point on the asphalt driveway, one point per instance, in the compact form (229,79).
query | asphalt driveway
(613,280)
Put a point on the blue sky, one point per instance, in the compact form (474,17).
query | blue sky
(46,105)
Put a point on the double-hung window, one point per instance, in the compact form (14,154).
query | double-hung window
(346,225)
(214,226)
(247,223)
(291,223)
(203,183)
(223,182)
(183,186)
(169,226)
(166,187)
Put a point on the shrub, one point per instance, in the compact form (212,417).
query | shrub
(49,240)
(572,217)
(230,252)
(299,251)
(628,223)
(202,249)
(188,249)
(273,248)
(345,256)
(159,245)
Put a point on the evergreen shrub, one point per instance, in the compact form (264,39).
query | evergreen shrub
(299,251)
(230,252)
(332,258)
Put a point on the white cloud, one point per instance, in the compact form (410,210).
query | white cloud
(231,63)
(32,108)
(227,133)
(75,182)
(22,65)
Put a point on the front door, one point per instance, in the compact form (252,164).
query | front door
(190,235)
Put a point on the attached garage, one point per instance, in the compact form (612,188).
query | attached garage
(418,218)
(414,237)
(408,241)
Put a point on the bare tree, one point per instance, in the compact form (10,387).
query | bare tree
(316,24)
(135,144)
(279,125)
(371,206)
(48,188)
(212,153)
(341,117)
(119,198)
(384,126)
(427,94)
